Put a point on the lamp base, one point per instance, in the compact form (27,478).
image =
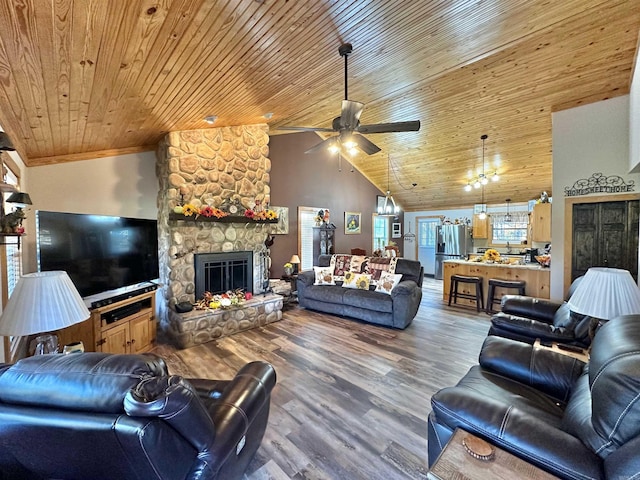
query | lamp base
(46,344)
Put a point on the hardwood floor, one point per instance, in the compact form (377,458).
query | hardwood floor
(352,399)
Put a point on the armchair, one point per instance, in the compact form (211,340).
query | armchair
(551,410)
(103,416)
(528,318)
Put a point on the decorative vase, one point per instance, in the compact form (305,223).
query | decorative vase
(288,271)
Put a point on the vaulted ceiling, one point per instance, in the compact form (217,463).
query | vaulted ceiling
(90,78)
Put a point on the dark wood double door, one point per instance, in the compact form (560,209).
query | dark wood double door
(605,234)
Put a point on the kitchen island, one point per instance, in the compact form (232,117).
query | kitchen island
(537,278)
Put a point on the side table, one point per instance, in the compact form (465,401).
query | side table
(293,281)
(578,353)
(456,463)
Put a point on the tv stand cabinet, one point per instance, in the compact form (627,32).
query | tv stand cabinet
(127,326)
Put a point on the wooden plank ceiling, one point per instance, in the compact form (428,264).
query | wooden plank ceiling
(89,78)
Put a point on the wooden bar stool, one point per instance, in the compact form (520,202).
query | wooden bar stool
(453,290)
(496,282)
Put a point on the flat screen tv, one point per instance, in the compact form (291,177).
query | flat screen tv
(100,253)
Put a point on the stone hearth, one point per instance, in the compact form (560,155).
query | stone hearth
(209,167)
(201,326)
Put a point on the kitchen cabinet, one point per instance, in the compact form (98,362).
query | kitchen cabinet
(541,222)
(127,326)
(480,227)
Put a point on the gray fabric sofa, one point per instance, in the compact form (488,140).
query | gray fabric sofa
(396,310)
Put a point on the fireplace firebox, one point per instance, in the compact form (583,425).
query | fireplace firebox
(220,272)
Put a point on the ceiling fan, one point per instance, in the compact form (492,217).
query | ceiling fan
(347,125)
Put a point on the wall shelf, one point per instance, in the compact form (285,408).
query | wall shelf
(178,217)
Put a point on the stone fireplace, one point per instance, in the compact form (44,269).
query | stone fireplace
(220,272)
(215,167)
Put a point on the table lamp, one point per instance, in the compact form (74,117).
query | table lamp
(604,294)
(295,261)
(42,302)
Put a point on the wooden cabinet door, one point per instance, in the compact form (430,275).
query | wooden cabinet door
(117,339)
(480,227)
(541,222)
(142,335)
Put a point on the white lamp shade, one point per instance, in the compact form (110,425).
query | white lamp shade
(606,293)
(42,302)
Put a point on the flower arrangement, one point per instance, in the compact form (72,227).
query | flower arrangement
(224,300)
(288,265)
(491,255)
(189,210)
(260,213)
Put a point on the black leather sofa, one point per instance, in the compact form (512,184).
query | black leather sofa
(575,421)
(528,318)
(101,416)
(396,310)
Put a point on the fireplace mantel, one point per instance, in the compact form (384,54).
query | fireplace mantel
(178,217)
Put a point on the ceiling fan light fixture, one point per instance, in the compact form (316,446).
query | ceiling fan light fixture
(495,177)
(333,148)
(477,183)
(353,151)
(468,187)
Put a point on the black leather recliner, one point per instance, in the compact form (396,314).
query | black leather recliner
(573,420)
(528,318)
(102,416)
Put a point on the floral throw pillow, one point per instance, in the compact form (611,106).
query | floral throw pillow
(324,276)
(361,281)
(387,282)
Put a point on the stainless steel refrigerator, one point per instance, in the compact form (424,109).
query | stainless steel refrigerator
(452,242)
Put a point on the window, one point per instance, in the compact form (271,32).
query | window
(513,232)
(306,222)
(427,234)
(380,232)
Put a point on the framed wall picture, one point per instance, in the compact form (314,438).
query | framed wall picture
(396,230)
(282,227)
(352,222)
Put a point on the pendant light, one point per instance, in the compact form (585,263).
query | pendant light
(483,213)
(507,217)
(389,208)
(482,178)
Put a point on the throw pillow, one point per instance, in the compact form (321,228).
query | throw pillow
(377,265)
(324,276)
(339,265)
(360,281)
(358,263)
(387,282)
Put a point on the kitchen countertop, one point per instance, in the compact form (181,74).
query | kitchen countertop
(528,266)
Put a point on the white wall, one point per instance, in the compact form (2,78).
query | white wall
(589,139)
(124,185)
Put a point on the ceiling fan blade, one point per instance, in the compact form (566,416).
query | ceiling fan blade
(366,145)
(323,145)
(411,126)
(305,129)
(350,114)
